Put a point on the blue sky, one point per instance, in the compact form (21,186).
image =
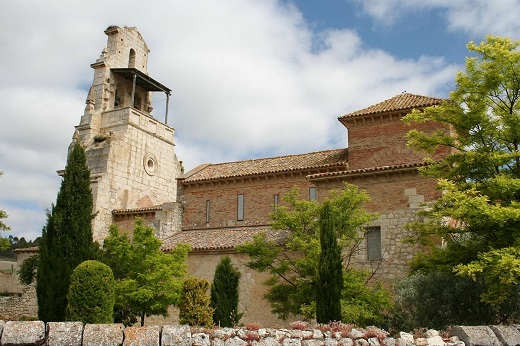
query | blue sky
(250,78)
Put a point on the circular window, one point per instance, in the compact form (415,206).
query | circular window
(150,164)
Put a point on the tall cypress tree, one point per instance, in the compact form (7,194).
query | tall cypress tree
(224,294)
(66,238)
(330,270)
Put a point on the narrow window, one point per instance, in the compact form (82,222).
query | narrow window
(313,194)
(131,58)
(374,243)
(207,211)
(276,201)
(240,207)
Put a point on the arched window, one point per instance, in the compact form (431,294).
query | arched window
(131,58)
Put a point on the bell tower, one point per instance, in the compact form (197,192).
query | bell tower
(130,153)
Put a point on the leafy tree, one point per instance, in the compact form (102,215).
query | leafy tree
(4,243)
(91,293)
(293,266)
(330,270)
(66,237)
(27,271)
(194,307)
(478,215)
(438,300)
(148,281)
(225,295)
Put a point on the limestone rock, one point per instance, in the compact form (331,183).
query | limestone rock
(200,339)
(508,335)
(473,336)
(23,333)
(435,341)
(142,336)
(235,341)
(64,333)
(176,336)
(103,334)
(405,339)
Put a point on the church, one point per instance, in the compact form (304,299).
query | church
(214,207)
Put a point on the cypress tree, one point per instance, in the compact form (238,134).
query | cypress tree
(224,294)
(330,270)
(66,238)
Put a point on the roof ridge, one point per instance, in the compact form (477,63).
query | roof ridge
(402,101)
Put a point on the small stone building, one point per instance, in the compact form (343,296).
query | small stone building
(214,207)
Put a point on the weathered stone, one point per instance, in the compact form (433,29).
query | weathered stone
(218,342)
(330,342)
(346,342)
(2,326)
(200,339)
(374,342)
(476,336)
(176,336)
(435,341)
(508,335)
(291,342)
(405,339)
(317,334)
(103,334)
(235,341)
(269,341)
(355,334)
(64,333)
(430,333)
(312,342)
(388,342)
(421,342)
(361,342)
(142,336)
(23,333)
(224,333)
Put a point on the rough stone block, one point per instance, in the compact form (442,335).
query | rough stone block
(476,336)
(2,326)
(435,341)
(508,335)
(176,336)
(23,333)
(200,339)
(64,333)
(142,336)
(103,334)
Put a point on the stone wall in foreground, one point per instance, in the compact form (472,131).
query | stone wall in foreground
(76,333)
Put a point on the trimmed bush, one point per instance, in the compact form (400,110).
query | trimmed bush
(224,294)
(194,308)
(91,293)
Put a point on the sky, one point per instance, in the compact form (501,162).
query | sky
(250,78)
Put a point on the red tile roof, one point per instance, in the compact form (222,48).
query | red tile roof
(403,101)
(221,239)
(320,159)
(370,170)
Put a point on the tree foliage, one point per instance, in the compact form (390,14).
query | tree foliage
(225,294)
(439,300)
(293,266)
(330,270)
(194,307)
(66,238)
(478,215)
(91,293)
(148,280)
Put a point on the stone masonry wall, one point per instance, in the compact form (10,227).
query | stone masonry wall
(77,334)
(20,306)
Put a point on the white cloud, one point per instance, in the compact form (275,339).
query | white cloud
(475,17)
(247,81)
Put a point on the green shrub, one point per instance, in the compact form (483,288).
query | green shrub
(91,293)
(224,294)
(439,300)
(194,308)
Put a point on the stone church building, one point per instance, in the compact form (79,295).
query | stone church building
(135,173)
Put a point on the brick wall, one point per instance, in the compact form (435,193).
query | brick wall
(380,140)
(258,194)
